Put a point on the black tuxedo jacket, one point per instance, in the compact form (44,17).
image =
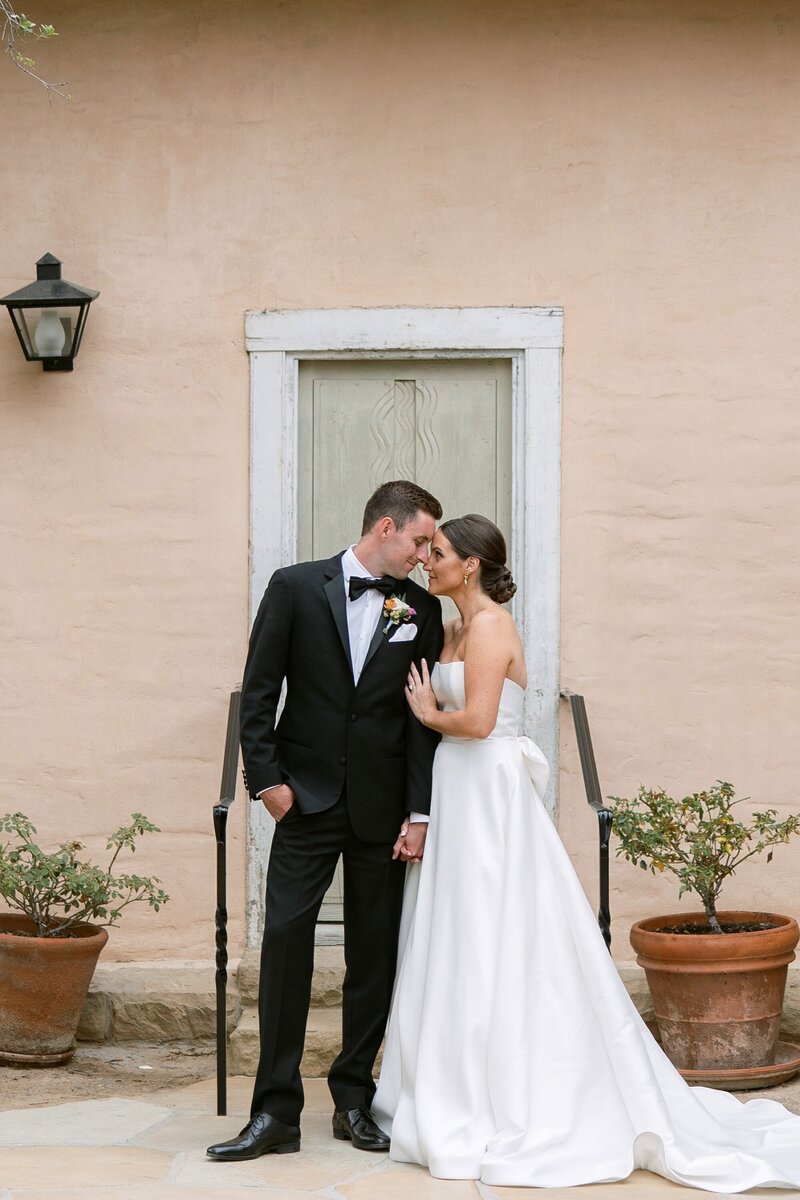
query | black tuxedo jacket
(334,733)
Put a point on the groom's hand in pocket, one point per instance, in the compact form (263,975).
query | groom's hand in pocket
(278,800)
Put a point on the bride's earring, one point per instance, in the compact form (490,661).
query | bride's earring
(466,581)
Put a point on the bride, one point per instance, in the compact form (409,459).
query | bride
(513,1053)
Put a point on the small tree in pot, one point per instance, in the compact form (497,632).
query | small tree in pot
(50,945)
(697,838)
(717,978)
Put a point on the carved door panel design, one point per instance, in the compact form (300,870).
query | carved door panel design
(446,424)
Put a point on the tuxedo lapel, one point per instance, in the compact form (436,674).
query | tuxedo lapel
(377,638)
(334,591)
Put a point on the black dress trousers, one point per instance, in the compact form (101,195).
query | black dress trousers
(305,852)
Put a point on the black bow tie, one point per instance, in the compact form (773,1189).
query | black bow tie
(385,584)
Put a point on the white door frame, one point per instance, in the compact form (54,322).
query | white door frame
(277,341)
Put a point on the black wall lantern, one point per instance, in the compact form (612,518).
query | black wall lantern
(49,316)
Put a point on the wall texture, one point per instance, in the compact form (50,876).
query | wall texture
(635,162)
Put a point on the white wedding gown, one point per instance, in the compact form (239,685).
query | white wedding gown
(513,1053)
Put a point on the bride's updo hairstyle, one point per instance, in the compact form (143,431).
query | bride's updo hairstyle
(474,536)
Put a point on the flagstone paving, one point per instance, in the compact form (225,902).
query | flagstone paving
(154,1149)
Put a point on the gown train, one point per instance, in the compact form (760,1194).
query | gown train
(514,1054)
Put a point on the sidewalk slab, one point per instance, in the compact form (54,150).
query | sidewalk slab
(85,1123)
(147,1191)
(129,1149)
(80,1167)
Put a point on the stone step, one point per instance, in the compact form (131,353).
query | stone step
(171,1000)
(175,1000)
(323,1043)
(326,986)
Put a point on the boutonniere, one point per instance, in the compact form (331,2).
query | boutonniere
(395,610)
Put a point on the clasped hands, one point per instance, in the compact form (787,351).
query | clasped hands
(410,842)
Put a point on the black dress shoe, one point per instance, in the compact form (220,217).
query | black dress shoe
(262,1135)
(357,1126)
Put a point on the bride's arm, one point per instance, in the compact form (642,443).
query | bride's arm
(486,661)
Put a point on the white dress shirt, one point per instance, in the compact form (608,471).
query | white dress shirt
(363,615)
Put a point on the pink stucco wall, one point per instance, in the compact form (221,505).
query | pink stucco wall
(635,162)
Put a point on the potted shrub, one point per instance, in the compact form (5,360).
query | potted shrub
(50,944)
(717,978)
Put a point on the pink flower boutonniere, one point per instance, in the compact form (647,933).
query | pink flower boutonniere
(396,610)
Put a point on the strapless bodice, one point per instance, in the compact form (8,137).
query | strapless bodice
(448,684)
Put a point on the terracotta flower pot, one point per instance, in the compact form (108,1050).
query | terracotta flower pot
(717,997)
(43,986)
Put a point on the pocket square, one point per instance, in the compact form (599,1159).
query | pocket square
(405,633)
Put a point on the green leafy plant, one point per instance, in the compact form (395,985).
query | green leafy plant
(697,838)
(59,890)
(19,28)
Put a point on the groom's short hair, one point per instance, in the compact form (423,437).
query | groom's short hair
(401,500)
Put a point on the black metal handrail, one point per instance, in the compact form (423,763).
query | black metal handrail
(227,795)
(605,816)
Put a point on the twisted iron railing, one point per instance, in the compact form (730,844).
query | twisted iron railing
(595,801)
(227,795)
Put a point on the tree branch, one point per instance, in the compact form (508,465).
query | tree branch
(17,25)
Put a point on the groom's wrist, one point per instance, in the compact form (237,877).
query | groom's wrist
(260,795)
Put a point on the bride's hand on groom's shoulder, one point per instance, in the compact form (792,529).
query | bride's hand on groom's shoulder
(419,693)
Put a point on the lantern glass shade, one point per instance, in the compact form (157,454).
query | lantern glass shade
(49,316)
(50,332)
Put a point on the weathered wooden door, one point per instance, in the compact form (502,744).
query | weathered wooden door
(446,424)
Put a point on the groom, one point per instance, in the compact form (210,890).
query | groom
(339,771)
